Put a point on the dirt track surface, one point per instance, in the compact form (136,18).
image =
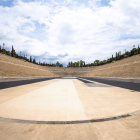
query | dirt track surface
(69,100)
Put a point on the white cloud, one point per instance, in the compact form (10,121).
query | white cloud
(94,3)
(81,32)
(69,1)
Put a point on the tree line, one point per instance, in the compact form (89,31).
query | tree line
(117,57)
(13,53)
(76,64)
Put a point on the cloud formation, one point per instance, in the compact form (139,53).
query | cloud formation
(70,31)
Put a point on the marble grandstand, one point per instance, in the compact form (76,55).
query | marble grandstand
(126,68)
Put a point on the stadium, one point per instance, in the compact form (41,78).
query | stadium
(69,100)
(69,70)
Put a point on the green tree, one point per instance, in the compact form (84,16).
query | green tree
(12,51)
(132,52)
(30,58)
(57,64)
(81,63)
(84,63)
(68,64)
(34,60)
(74,64)
(127,54)
(116,56)
(3,45)
(138,49)
(78,63)
(96,62)
(61,65)
(112,57)
(109,60)
(71,64)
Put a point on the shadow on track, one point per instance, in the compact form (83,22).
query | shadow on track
(9,84)
(126,85)
(84,81)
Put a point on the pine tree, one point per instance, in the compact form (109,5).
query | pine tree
(34,60)
(30,58)
(12,51)
(116,56)
(112,57)
(57,64)
(0,48)
(138,49)
(71,64)
(3,45)
(81,63)
(78,63)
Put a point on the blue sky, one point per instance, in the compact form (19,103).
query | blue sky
(10,3)
(69,30)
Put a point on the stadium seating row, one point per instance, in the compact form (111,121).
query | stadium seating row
(13,67)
